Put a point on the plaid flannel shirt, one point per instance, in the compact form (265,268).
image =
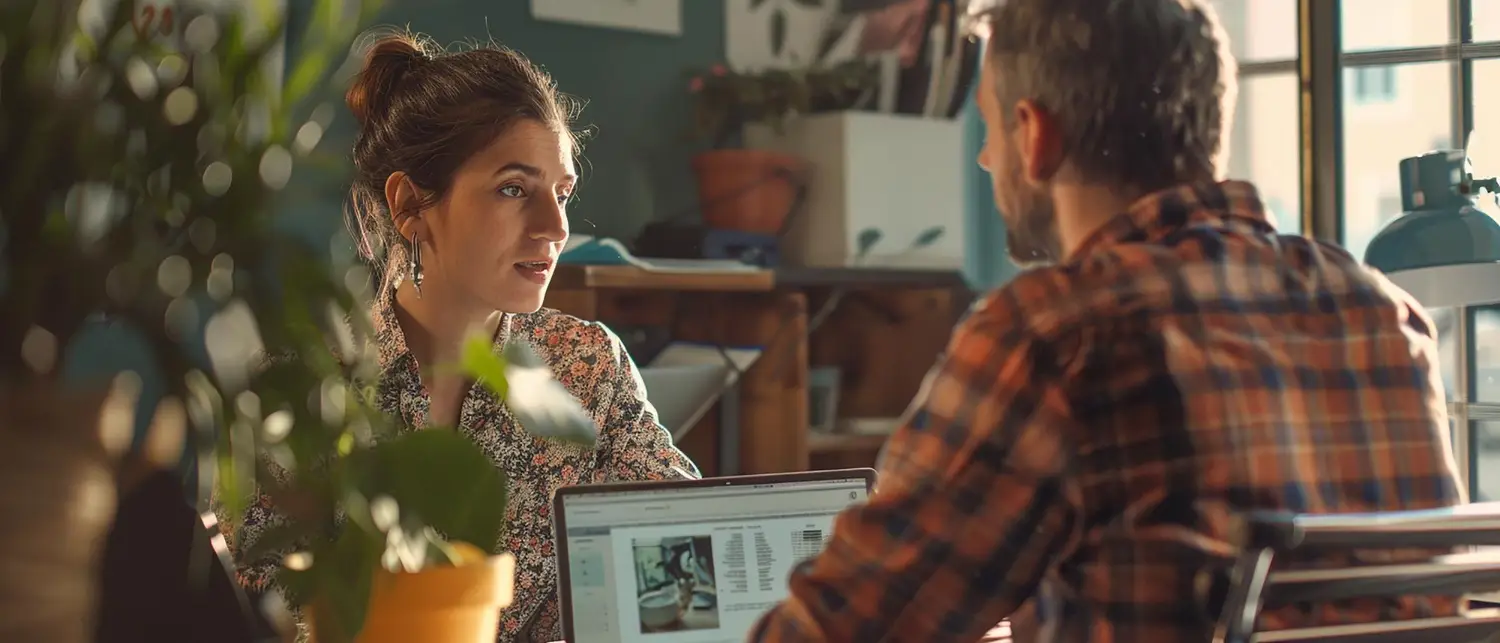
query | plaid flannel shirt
(1094,425)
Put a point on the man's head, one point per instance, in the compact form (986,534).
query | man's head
(1122,96)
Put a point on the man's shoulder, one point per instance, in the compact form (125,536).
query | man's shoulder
(1052,301)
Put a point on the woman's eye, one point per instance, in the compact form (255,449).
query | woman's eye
(513,191)
(562,199)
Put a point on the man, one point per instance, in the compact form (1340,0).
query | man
(1096,423)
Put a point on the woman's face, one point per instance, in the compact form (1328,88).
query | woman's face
(494,238)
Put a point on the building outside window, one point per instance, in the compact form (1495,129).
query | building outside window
(1401,97)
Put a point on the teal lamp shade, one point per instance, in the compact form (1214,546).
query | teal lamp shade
(1443,250)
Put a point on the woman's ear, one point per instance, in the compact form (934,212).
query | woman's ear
(405,204)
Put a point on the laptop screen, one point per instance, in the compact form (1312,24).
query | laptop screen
(700,562)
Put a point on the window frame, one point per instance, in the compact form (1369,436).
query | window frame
(1321,66)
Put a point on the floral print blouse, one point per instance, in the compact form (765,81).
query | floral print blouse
(590,362)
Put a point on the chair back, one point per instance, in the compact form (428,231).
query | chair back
(1262,537)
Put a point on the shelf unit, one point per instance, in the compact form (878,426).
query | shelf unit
(883,331)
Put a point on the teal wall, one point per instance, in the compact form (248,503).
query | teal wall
(986,263)
(635,168)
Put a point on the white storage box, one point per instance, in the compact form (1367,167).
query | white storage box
(899,174)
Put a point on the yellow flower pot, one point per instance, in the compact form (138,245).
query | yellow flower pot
(440,605)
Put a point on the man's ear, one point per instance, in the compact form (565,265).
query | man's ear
(1037,141)
(404,201)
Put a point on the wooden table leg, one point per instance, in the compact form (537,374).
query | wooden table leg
(773,393)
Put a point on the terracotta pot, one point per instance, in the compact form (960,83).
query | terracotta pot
(58,497)
(440,605)
(747,190)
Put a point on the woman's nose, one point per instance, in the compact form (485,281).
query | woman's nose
(551,224)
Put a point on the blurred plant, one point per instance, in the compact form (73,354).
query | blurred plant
(142,183)
(725,100)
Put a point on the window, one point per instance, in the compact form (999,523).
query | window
(1484,141)
(1263,142)
(1261,30)
(1376,138)
(1486,20)
(1486,459)
(1263,145)
(1394,24)
(1371,84)
(1484,149)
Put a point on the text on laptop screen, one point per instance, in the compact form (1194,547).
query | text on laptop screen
(696,564)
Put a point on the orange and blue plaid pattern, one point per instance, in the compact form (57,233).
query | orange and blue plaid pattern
(1094,425)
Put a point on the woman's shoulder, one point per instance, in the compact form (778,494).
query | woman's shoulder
(560,337)
(584,355)
(549,323)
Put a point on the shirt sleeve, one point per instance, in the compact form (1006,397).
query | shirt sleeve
(970,511)
(633,444)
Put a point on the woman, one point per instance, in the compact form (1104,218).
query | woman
(465,168)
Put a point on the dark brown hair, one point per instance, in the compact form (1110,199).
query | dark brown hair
(424,111)
(1143,90)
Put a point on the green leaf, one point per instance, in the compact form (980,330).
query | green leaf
(866,241)
(481,363)
(778,31)
(342,575)
(928,237)
(445,480)
(540,403)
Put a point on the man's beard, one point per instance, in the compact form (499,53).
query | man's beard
(1031,226)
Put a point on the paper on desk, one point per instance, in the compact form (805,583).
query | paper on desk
(699,354)
(686,379)
(586,250)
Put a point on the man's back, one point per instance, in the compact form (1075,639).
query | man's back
(1212,367)
(1095,426)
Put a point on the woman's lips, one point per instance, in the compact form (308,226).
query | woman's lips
(535,271)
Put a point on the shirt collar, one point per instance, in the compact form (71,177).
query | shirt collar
(1159,214)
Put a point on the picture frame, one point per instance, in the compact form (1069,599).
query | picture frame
(660,17)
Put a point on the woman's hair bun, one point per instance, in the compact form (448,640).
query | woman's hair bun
(388,60)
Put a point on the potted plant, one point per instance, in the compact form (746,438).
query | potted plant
(142,183)
(397,527)
(754,190)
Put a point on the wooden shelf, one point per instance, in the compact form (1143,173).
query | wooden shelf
(572,276)
(882,342)
(844,442)
(866,277)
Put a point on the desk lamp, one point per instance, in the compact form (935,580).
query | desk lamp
(1445,251)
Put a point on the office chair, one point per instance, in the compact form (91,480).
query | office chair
(165,580)
(1252,585)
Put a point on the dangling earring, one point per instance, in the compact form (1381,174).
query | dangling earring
(416,264)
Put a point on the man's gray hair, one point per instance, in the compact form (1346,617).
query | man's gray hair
(1142,90)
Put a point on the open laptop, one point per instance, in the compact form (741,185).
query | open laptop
(700,560)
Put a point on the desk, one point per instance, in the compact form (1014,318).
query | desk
(730,309)
(1001,633)
(885,336)
(573,278)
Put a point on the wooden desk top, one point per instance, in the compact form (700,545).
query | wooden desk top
(579,277)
